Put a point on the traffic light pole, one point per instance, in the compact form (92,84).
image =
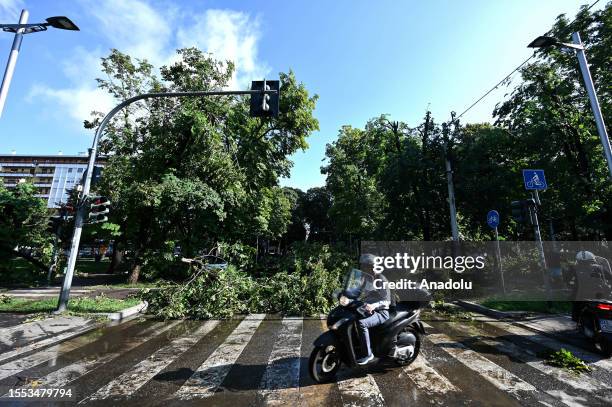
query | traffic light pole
(538,238)
(79,219)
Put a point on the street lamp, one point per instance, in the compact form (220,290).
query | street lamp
(544,42)
(62,23)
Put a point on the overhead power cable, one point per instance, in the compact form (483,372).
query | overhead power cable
(569,26)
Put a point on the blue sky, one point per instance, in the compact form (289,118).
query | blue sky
(363,58)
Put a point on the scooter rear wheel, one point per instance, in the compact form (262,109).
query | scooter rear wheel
(417,347)
(323,364)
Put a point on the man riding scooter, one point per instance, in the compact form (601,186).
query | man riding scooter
(592,305)
(376,305)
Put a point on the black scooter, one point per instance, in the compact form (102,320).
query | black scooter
(397,339)
(595,322)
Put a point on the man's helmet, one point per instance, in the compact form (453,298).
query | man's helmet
(369,260)
(584,255)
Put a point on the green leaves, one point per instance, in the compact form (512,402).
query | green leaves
(196,171)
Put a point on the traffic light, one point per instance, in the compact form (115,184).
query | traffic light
(522,211)
(53,225)
(265,105)
(95,177)
(99,207)
(519,211)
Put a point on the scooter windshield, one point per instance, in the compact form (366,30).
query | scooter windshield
(360,285)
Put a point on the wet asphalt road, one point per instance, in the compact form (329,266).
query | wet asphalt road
(262,360)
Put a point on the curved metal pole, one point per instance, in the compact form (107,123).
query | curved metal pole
(80,215)
(12,60)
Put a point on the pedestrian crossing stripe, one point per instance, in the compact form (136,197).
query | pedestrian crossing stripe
(209,376)
(132,380)
(280,382)
(63,376)
(493,373)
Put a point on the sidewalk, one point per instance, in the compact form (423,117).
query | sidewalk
(76,291)
(34,334)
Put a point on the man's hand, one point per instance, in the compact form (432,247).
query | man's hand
(370,308)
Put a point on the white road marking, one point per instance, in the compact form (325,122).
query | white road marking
(209,376)
(569,400)
(594,360)
(426,378)
(132,380)
(496,375)
(357,391)
(65,375)
(360,391)
(281,381)
(580,382)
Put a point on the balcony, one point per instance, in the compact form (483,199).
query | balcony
(15,174)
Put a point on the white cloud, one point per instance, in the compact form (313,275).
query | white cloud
(228,35)
(9,10)
(78,102)
(143,31)
(134,27)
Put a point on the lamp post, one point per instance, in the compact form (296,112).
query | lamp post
(63,23)
(544,42)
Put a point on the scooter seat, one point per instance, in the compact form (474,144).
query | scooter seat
(400,311)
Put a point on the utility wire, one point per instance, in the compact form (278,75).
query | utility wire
(517,68)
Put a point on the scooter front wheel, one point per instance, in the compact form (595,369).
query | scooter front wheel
(324,363)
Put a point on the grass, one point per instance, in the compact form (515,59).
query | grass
(92,267)
(539,306)
(127,285)
(78,305)
(450,312)
(527,302)
(566,360)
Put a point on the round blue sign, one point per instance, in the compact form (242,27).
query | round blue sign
(493,219)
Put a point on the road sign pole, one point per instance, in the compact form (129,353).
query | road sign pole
(499,262)
(536,230)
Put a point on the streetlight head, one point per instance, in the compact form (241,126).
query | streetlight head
(63,23)
(543,42)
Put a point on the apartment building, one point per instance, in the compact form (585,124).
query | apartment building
(53,175)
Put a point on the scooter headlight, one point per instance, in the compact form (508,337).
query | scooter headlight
(344,300)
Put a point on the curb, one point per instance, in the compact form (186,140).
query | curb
(128,312)
(472,306)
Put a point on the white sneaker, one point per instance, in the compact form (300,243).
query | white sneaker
(366,360)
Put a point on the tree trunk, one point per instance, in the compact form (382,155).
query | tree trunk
(116,259)
(134,274)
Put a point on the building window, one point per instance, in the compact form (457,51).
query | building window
(69,169)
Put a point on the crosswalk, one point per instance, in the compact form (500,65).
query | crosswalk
(178,362)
